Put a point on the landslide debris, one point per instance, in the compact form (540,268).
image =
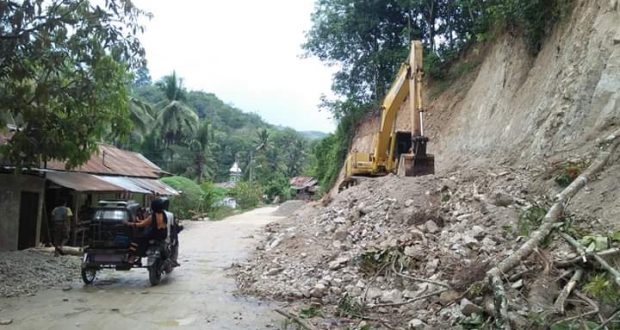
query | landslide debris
(376,240)
(25,272)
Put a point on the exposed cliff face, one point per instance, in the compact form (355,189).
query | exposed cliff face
(517,108)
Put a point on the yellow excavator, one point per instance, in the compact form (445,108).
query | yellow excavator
(403,153)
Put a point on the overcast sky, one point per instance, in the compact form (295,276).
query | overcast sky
(247,52)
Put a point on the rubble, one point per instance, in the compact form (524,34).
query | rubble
(411,248)
(28,271)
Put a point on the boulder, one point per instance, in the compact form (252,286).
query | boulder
(416,324)
(392,296)
(468,308)
(431,227)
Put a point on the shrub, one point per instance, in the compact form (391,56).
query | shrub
(569,172)
(190,199)
(212,195)
(530,219)
(248,195)
(220,212)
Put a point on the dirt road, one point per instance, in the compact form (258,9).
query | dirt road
(198,295)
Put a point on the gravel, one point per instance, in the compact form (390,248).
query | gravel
(288,208)
(25,272)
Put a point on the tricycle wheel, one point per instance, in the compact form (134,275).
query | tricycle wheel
(154,274)
(88,275)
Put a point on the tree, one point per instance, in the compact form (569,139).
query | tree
(295,158)
(175,120)
(64,76)
(142,121)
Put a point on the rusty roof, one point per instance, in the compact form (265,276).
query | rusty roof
(81,182)
(110,160)
(301,182)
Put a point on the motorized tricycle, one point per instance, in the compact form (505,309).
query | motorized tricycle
(111,239)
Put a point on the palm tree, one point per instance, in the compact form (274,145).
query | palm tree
(141,116)
(262,143)
(263,139)
(199,146)
(175,120)
(295,157)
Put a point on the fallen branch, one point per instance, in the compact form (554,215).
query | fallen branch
(434,293)
(561,301)
(589,301)
(294,319)
(600,260)
(418,279)
(583,257)
(548,223)
(606,322)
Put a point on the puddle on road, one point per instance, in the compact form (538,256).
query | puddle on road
(177,322)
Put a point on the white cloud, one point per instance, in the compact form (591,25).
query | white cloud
(244,51)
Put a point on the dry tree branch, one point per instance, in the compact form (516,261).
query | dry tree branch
(294,319)
(410,300)
(600,260)
(604,324)
(571,262)
(418,279)
(552,216)
(559,303)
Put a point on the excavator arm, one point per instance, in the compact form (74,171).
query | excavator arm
(384,159)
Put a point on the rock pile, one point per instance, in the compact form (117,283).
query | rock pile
(389,241)
(27,271)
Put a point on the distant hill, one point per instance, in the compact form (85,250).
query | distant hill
(313,135)
(232,135)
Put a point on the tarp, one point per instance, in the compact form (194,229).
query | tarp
(81,182)
(124,182)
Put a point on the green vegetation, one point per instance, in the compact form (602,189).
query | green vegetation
(568,172)
(189,202)
(64,76)
(248,195)
(310,312)
(349,306)
(368,40)
(530,220)
(600,286)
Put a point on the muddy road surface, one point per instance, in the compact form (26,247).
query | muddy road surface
(197,295)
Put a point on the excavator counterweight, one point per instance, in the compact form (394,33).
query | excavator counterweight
(403,153)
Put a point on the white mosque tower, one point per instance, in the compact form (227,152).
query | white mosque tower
(235,173)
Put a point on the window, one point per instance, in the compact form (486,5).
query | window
(115,215)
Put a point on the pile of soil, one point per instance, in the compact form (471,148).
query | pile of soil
(288,208)
(28,271)
(389,240)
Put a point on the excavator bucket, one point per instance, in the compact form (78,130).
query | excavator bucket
(411,165)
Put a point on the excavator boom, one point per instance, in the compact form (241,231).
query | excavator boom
(401,152)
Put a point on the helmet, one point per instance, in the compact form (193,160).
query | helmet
(157,205)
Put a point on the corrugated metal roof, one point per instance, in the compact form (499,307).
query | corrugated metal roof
(155,186)
(81,182)
(301,182)
(125,183)
(110,160)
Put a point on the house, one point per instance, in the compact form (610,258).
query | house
(304,187)
(28,198)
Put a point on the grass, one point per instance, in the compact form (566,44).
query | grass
(568,172)
(530,219)
(600,286)
(347,306)
(221,212)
